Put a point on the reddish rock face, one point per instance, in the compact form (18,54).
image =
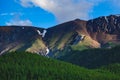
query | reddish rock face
(104,29)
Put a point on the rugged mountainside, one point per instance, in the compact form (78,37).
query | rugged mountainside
(21,38)
(105,29)
(61,39)
(70,35)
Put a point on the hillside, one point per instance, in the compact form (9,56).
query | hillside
(62,37)
(21,38)
(93,58)
(57,41)
(114,68)
(27,66)
(105,29)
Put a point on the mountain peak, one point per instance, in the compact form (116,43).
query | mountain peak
(77,19)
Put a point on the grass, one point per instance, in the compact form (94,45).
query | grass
(85,44)
(36,46)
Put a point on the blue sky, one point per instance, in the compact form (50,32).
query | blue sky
(47,13)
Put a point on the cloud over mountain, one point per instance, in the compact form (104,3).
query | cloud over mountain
(64,10)
(17,21)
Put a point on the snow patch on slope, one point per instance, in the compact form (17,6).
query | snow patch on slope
(106,19)
(47,51)
(39,32)
(79,38)
(42,34)
(5,50)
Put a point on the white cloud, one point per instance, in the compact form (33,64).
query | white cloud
(64,10)
(25,3)
(115,3)
(19,22)
(11,14)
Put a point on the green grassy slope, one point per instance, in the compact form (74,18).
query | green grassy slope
(25,66)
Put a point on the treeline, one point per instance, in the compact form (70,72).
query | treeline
(28,66)
(93,58)
(113,68)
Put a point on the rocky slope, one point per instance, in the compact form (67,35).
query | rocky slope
(70,35)
(21,38)
(58,40)
(105,29)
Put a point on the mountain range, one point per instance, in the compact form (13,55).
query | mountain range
(74,50)
(59,40)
